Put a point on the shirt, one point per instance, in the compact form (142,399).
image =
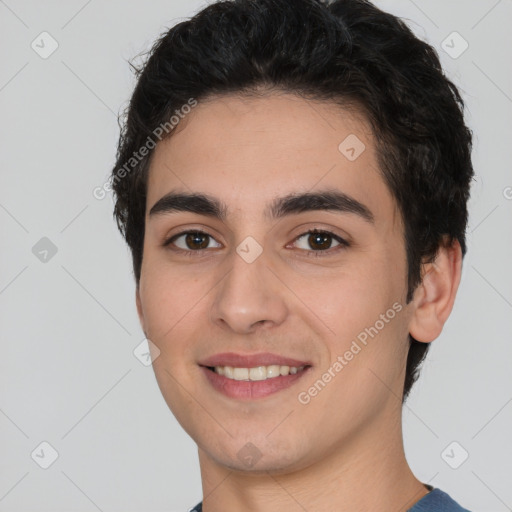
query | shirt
(435,501)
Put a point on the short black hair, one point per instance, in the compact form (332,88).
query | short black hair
(347,52)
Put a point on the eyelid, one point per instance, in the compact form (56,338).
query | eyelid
(189,229)
(313,231)
(169,240)
(342,241)
(319,227)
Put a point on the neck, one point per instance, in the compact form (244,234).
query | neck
(367,472)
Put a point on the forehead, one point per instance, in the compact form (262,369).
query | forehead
(248,151)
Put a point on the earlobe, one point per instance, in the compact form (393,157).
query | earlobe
(434,298)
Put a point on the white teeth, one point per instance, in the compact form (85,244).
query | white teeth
(274,371)
(240,373)
(258,372)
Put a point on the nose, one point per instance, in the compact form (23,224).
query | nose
(250,295)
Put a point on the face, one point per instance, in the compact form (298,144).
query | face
(254,278)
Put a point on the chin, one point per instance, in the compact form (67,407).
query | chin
(258,457)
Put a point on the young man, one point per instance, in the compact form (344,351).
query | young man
(292,180)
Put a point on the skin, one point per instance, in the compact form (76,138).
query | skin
(344,449)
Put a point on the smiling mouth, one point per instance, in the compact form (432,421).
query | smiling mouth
(257,373)
(253,383)
(243,376)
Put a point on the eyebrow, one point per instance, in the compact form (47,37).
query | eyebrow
(295,203)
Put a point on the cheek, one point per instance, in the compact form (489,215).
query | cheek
(365,310)
(354,297)
(174,316)
(169,300)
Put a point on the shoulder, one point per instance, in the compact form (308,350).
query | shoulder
(437,501)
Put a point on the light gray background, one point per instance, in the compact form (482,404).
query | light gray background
(69,325)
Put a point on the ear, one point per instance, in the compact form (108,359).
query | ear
(434,297)
(139,309)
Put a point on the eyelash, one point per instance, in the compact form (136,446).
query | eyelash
(310,253)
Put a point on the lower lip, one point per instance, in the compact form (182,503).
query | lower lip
(248,390)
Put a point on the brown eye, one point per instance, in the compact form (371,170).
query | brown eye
(321,241)
(192,240)
(196,240)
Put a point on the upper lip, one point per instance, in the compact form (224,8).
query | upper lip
(251,360)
